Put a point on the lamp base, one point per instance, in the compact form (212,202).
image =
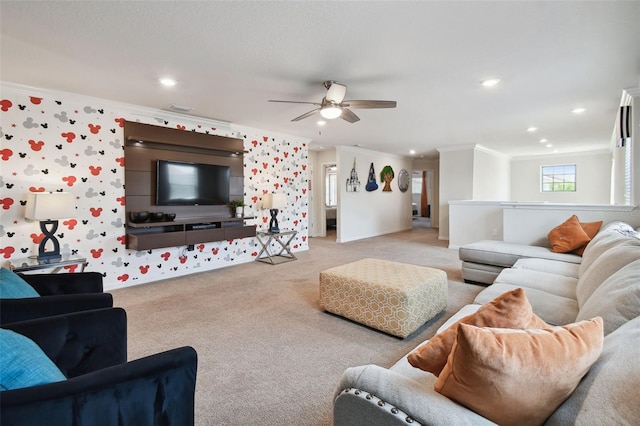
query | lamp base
(49,235)
(273,223)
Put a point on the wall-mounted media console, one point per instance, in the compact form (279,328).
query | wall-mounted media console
(162,166)
(145,236)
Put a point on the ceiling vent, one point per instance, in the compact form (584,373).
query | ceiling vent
(180,108)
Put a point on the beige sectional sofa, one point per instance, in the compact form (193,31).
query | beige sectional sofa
(605,282)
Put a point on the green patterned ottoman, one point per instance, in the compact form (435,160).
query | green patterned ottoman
(393,297)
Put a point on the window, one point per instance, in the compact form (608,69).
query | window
(558,178)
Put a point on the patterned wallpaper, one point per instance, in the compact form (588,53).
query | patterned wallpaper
(64,142)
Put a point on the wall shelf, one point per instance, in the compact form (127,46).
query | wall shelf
(188,231)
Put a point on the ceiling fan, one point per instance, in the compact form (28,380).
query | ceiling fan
(333,105)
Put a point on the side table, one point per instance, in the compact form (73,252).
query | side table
(33,264)
(283,238)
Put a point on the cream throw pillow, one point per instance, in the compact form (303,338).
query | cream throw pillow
(519,377)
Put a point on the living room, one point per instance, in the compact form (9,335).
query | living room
(60,137)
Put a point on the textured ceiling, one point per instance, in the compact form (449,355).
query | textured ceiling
(230,58)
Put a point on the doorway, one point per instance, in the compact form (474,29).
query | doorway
(330,200)
(421,198)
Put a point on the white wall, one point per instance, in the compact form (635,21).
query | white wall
(542,218)
(365,214)
(491,175)
(474,221)
(593,178)
(525,223)
(456,182)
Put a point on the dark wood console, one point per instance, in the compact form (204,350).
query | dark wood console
(144,145)
(185,232)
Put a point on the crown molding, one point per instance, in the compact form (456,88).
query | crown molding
(150,113)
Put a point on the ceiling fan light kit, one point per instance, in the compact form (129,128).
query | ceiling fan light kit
(330,112)
(333,106)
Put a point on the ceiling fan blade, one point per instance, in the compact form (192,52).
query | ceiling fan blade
(295,102)
(370,104)
(349,116)
(306,114)
(336,92)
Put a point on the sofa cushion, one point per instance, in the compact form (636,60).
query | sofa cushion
(591,229)
(553,309)
(568,236)
(503,253)
(611,235)
(603,267)
(519,377)
(509,310)
(12,286)
(557,267)
(23,363)
(617,299)
(609,393)
(551,283)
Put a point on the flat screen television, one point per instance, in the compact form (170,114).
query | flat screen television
(191,184)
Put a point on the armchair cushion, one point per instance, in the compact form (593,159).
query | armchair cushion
(52,284)
(81,342)
(102,388)
(23,363)
(16,310)
(12,286)
(155,390)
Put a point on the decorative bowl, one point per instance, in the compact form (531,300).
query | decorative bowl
(138,217)
(156,216)
(169,217)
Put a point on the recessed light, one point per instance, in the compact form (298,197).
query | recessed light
(490,82)
(412,151)
(548,145)
(578,110)
(168,82)
(321,122)
(531,129)
(543,140)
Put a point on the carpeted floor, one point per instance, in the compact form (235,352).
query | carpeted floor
(267,353)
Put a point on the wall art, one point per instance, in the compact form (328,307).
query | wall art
(387,176)
(353,183)
(371,180)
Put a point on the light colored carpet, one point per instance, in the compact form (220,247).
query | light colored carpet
(267,353)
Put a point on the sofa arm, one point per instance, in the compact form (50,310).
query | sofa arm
(50,284)
(81,342)
(15,310)
(156,390)
(372,395)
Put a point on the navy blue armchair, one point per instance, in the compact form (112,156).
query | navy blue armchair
(102,388)
(60,294)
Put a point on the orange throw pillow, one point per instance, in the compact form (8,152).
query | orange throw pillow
(568,236)
(519,377)
(509,310)
(591,229)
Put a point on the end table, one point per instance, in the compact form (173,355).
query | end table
(283,238)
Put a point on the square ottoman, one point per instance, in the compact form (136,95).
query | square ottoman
(393,297)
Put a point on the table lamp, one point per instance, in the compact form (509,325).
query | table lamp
(274,202)
(48,207)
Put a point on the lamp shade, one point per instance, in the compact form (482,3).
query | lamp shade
(50,205)
(274,201)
